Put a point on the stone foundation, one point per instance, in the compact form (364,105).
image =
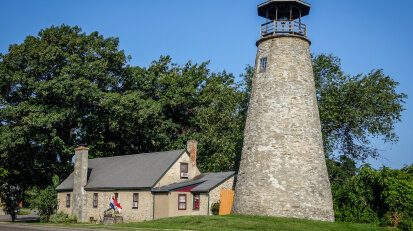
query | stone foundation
(112,220)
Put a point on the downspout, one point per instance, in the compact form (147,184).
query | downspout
(208,205)
(153,206)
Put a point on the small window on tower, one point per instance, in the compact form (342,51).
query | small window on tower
(263,64)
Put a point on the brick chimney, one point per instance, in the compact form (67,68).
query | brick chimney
(191,147)
(79,183)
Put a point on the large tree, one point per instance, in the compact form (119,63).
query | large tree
(50,90)
(355,109)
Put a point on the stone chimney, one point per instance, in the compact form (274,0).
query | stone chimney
(79,183)
(191,147)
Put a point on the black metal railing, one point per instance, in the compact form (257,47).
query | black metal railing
(277,27)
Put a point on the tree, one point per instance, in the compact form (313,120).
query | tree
(50,90)
(51,86)
(354,109)
(10,196)
(187,102)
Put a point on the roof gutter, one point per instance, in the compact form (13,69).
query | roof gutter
(208,205)
(114,188)
(153,206)
(177,188)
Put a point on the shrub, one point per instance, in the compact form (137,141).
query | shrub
(44,200)
(58,218)
(406,224)
(382,196)
(215,208)
(23,212)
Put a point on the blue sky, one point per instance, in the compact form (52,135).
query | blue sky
(366,35)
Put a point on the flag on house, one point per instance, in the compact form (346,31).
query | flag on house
(115,205)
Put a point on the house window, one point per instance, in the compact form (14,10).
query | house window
(67,200)
(95,200)
(135,200)
(263,64)
(116,197)
(184,170)
(182,202)
(196,201)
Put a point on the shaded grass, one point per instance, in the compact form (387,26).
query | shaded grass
(234,222)
(244,222)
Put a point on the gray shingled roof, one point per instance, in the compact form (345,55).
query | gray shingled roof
(205,182)
(126,172)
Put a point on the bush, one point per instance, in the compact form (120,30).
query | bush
(58,218)
(44,200)
(382,196)
(406,224)
(215,208)
(23,212)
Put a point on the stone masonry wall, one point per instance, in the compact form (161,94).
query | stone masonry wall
(283,171)
(215,194)
(173,174)
(61,203)
(125,199)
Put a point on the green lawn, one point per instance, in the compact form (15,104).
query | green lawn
(238,222)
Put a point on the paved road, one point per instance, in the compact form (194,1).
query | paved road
(20,227)
(20,218)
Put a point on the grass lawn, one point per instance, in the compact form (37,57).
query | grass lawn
(237,222)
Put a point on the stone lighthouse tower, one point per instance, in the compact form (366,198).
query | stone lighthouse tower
(283,171)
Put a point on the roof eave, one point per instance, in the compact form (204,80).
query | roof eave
(170,166)
(177,188)
(270,1)
(115,188)
(212,188)
(64,190)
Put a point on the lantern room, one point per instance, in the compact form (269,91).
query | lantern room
(283,17)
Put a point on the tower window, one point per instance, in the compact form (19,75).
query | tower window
(263,64)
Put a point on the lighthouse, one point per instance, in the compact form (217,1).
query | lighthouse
(283,171)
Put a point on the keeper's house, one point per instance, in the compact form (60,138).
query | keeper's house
(147,186)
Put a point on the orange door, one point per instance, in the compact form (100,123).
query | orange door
(227,197)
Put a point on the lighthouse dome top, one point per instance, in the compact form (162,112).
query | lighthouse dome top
(278,9)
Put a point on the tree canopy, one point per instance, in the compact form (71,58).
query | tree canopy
(354,109)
